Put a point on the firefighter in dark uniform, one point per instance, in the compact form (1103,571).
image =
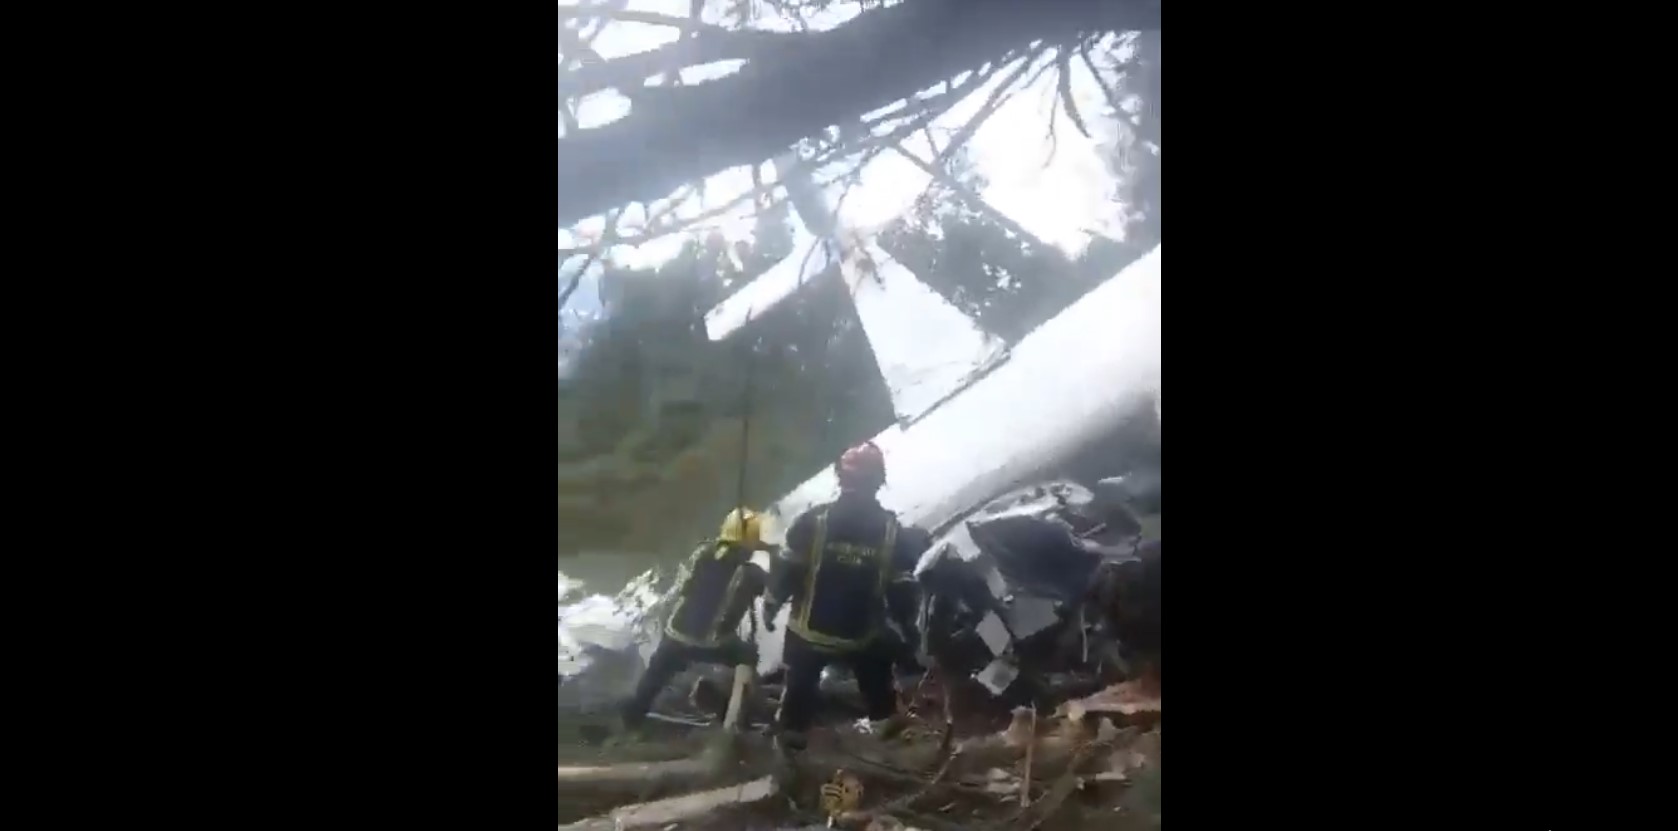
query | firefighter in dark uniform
(841,565)
(715,588)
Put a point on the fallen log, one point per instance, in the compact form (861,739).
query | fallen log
(798,85)
(922,769)
(1050,750)
(1133,703)
(680,809)
(589,746)
(720,759)
(737,699)
(633,777)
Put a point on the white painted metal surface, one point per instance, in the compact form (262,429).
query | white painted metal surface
(808,261)
(1066,385)
(927,349)
(1074,379)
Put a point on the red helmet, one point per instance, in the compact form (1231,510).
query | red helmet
(861,468)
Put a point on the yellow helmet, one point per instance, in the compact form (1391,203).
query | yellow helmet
(747,533)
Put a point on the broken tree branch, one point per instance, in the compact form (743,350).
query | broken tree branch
(1054,140)
(568,118)
(576,280)
(628,73)
(637,781)
(972,199)
(680,809)
(737,699)
(591,26)
(649,18)
(653,233)
(1063,65)
(1030,753)
(606,243)
(998,97)
(931,110)
(798,85)
(1106,91)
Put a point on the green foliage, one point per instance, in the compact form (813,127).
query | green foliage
(986,265)
(652,389)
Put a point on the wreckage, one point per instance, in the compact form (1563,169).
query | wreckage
(1011,587)
(1036,598)
(1036,417)
(1014,592)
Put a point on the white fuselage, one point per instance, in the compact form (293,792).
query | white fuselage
(1067,386)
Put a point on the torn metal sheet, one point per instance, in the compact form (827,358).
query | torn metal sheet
(926,348)
(1029,615)
(995,634)
(961,540)
(809,259)
(998,586)
(1035,413)
(998,677)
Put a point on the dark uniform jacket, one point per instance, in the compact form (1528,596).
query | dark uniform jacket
(714,590)
(842,562)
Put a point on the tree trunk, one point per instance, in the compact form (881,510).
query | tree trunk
(679,809)
(618,784)
(794,88)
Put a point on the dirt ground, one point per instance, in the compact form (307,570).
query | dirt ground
(1095,763)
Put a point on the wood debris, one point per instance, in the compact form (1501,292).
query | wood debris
(1022,776)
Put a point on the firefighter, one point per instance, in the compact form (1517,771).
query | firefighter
(843,570)
(715,588)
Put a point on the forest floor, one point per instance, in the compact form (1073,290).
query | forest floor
(1093,763)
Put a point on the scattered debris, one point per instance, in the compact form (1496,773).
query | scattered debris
(1132,703)
(1019,777)
(679,809)
(1041,709)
